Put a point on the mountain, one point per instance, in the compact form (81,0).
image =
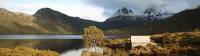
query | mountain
(125,18)
(151,13)
(124,21)
(44,21)
(59,23)
(184,21)
(154,12)
(123,12)
(18,23)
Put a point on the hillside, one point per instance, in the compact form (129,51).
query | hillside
(167,44)
(59,23)
(44,21)
(18,23)
(49,21)
(184,21)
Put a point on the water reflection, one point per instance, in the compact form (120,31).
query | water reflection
(73,52)
(40,36)
(48,36)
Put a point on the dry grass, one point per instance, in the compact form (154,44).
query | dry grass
(168,44)
(24,51)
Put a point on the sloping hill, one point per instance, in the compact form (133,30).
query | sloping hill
(44,21)
(59,23)
(18,23)
(185,21)
(48,21)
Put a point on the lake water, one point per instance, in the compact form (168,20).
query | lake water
(71,40)
(45,36)
(76,52)
(40,36)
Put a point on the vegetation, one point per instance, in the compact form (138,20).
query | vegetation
(24,51)
(179,43)
(168,44)
(92,37)
(87,53)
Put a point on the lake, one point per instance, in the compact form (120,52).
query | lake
(75,52)
(68,45)
(46,36)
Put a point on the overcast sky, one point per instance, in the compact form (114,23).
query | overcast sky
(97,10)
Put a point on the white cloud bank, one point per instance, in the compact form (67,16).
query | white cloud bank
(111,6)
(72,8)
(97,10)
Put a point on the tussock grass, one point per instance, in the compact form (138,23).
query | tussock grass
(24,51)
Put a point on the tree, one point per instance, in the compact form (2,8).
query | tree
(92,37)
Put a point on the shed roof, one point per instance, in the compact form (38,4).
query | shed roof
(140,38)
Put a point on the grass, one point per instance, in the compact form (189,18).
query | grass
(24,51)
(167,44)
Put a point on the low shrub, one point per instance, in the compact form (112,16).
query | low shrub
(24,51)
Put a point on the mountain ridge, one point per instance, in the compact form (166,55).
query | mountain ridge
(184,21)
(65,22)
(49,21)
(123,12)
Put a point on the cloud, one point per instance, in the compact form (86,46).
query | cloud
(193,3)
(97,10)
(72,8)
(110,6)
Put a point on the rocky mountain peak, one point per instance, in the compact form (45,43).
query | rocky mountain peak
(123,12)
(48,12)
(44,11)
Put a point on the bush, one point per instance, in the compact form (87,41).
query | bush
(120,52)
(92,37)
(24,51)
(87,53)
